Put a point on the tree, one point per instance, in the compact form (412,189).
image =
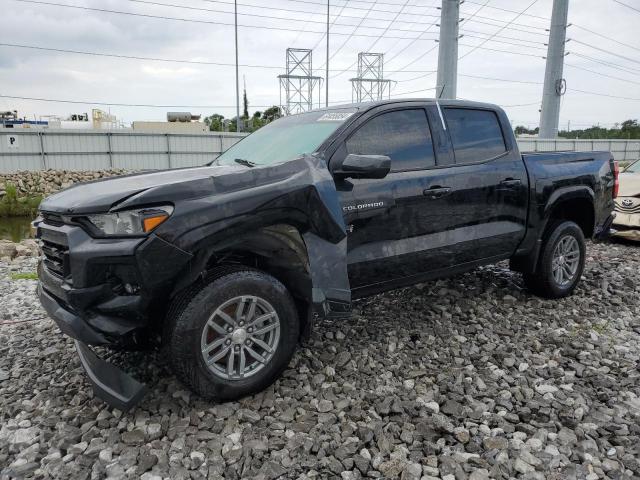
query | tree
(271,114)
(215,122)
(520,130)
(245,101)
(629,129)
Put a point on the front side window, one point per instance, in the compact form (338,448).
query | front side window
(402,135)
(476,134)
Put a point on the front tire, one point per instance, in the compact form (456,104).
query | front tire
(233,335)
(561,261)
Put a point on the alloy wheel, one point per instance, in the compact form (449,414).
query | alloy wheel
(565,260)
(240,337)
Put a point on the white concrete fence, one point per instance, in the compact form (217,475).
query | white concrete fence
(89,150)
(623,150)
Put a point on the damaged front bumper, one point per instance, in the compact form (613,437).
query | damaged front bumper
(95,292)
(111,384)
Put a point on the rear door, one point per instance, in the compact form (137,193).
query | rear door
(487,205)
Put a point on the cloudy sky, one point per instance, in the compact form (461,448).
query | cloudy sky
(603,63)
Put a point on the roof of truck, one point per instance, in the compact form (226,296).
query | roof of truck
(368,105)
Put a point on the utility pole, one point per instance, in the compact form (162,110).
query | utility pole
(554,84)
(326,80)
(446,84)
(235,13)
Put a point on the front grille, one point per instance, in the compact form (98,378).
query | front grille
(55,258)
(632,205)
(55,249)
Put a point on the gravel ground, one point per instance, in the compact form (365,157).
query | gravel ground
(469,377)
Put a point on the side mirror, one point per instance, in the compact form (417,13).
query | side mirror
(365,166)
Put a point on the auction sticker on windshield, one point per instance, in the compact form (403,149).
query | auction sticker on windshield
(334,117)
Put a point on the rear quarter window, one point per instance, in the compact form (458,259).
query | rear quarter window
(476,134)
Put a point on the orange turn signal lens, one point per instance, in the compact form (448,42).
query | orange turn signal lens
(152,222)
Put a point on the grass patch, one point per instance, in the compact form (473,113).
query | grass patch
(24,276)
(12,206)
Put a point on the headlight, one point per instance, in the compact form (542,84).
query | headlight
(131,222)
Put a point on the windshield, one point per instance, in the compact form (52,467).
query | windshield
(285,139)
(634,167)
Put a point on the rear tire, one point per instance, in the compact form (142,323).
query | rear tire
(242,313)
(561,261)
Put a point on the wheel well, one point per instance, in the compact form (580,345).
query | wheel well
(578,210)
(280,251)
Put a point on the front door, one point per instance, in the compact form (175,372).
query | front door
(390,219)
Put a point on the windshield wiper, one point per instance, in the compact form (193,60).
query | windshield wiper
(246,163)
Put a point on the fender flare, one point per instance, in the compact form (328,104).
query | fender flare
(305,199)
(581,192)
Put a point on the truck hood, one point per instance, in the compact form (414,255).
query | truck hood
(629,185)
(106,194)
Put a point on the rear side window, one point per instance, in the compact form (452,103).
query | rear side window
(402,135)
(476,134)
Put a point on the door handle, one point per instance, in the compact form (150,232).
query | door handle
(436,192)
(510,182)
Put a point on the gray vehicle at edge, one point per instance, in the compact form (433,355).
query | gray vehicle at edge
(227,266)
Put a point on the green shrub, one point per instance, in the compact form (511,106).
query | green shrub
(13,206)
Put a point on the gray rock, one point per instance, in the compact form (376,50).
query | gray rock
(449,376)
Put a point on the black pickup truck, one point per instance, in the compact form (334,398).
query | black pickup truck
(227,266)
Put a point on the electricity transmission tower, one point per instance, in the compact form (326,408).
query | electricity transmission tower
(298,85)
(447,82)
(554,84)
(370,84)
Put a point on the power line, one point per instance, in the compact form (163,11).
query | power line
(377,39)
(493,39)
(134,57)
(414,91)
(429,27)
(519,14)
(156,59)
(628,6)
(415,22)
(623,68)
(206,22)
(114,104)
(601,74)
(358,1)
(605,51)
(509,80)
(511,11)
(413,41)
(522,54)
(606,37)
(535,42)
(598,94)
(324,34)
(347,6)
(349,37)
(502,22)
(304,30)
(521,105)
